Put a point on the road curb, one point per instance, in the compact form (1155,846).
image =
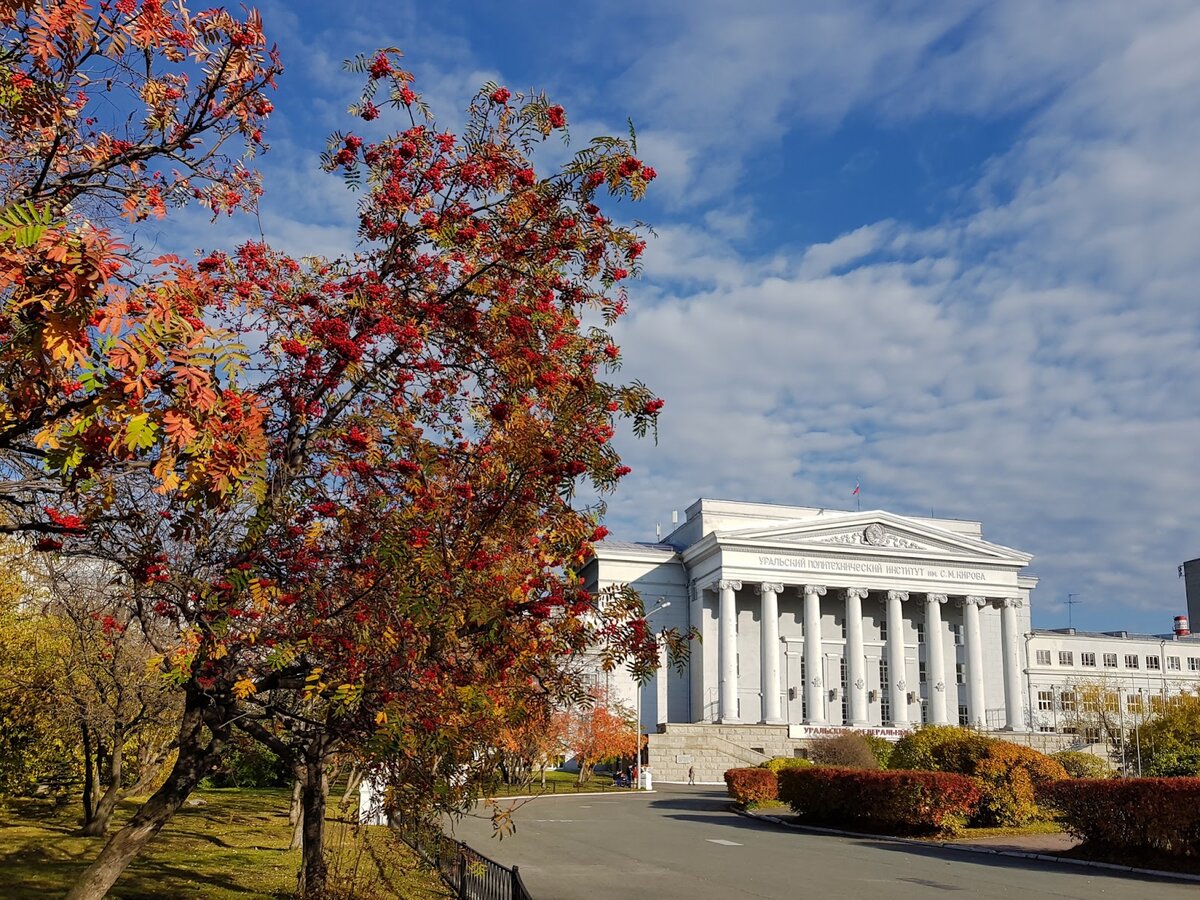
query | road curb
(972,848)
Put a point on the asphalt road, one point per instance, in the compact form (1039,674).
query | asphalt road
(682,843)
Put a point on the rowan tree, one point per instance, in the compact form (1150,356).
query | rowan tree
(401,579)
(117,109)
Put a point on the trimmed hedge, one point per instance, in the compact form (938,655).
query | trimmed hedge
(779,763)
(887,801)
(1142,815)
(752,785)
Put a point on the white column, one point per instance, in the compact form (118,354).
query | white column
(897,683)
(727,650)
(856,662)
(772,711)
(1014,719)
(974,640)
(813,655)
(696,657)
(935,660)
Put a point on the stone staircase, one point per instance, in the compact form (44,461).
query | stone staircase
(711,749)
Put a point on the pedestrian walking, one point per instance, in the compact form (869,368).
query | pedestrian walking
(691,774)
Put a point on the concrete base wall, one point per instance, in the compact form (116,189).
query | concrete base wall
(712,749)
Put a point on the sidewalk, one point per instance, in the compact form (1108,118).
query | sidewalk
(1015,843)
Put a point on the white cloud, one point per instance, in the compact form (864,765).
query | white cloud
(1031,362)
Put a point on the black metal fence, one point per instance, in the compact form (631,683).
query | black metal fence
(470,874)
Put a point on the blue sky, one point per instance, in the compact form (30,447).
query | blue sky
(947,248)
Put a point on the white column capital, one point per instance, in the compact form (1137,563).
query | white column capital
(856,593)
(936,598)
(898,595)
(729,585)
(817,590)
(772,587)
(1012,602)
(973,600)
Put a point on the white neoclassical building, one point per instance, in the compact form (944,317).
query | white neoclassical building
(815,619)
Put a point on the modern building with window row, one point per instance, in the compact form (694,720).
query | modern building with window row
(1140,672)
(818,620)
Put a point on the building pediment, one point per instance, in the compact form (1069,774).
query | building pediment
(876,532)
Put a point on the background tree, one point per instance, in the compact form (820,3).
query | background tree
(600,731)
(533,740)
(39,742)
(125,711)
(1170,741)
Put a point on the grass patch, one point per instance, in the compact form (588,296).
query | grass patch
(232,846)
(766,804)
(1045,827)
(556,783)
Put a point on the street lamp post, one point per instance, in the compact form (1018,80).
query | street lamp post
(662,604)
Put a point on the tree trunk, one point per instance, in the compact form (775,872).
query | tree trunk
(98,824)
(89,774)
(193,763)
(295,814)
(314,796)
(352,783)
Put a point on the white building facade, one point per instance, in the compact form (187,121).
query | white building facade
(814,619)
(1138,673)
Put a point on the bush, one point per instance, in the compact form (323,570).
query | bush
(752,785)
(1082,765)
(1010,777)
(849,751)
(881,747)
(249,764)
(779,763)
(1142,815)
(888,801)
(940,748)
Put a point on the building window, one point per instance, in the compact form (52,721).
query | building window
(885,699)
(1194,663)
(958,674)
(1173,663)
(964,717)
(1152,662)
(1069,701)
(1087,659)
(883,629)
(1045,700)
(920,632)
(1066,658)
(1133,702)
(922,678)
(845,693)
(1043,657)
(957,631)
(1110,660)
(1131,661)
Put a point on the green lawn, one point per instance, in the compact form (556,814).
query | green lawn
(556,783)
(233,846)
